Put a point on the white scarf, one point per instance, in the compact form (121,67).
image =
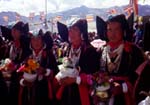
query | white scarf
(75,55)
(106,58)
(38,56)
(14,52)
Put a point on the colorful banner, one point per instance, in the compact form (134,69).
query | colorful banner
(18,17)
(31,15)
(90,18)
(128,10)
(42,15)
(112,11)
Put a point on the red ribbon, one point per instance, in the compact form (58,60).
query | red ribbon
(50,95)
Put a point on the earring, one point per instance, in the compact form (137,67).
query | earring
(82,37)
(69,39)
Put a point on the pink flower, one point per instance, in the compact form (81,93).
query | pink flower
(87,79)
(21,68)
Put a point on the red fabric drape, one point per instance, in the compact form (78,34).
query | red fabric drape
(135,6)
(129,95)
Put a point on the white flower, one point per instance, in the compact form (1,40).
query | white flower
(66,69)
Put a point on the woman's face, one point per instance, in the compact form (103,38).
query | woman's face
(114,32)
(74,35)
(36,43)
(15,34)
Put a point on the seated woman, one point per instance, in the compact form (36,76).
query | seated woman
(74,90)
(120,59)
(38,91)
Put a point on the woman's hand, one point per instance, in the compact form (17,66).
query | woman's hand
(11,67)
(28,84)
(23,82)
(117,89)
(67,81)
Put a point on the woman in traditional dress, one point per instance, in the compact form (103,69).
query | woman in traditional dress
(120,59)
(39,92)
(16,50)
(75,90)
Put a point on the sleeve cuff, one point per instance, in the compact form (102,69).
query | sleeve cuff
(21,82)
(48,71)
(78,80)
(124,88)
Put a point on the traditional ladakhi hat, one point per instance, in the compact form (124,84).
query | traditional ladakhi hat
(146,37)
(6,30)
(101,27)
(80,23)
(124,24)
(24,28)
(36,33)
(63,31)
(46,37)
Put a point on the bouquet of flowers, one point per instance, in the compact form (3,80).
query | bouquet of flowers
(29,68)
(66,69)
(101,87)
(6,66)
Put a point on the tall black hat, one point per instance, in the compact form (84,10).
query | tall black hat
(48,40)
(146,38)
(80,23)
(24,28)
(46,37)
(36,33)
(124,25)
(101,27)
(6,31)
(63,31)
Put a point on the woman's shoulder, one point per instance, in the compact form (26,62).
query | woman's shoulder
(132,48)
(101,48)
(89,48)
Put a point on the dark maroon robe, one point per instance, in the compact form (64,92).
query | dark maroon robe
(40,91)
